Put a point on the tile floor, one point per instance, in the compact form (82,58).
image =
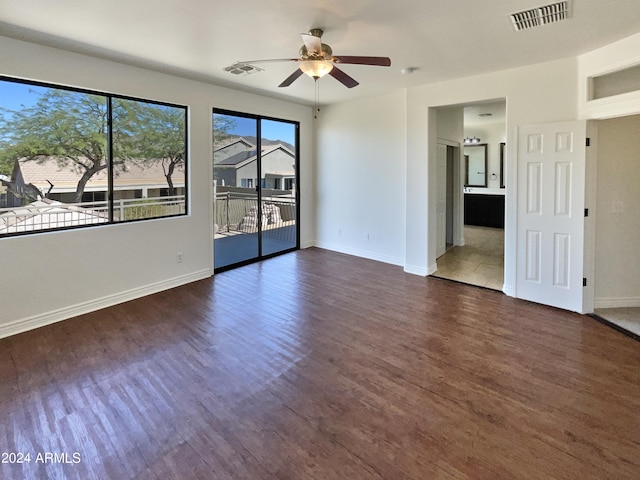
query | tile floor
(480,261)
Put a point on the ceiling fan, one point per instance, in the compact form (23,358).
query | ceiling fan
(317,60)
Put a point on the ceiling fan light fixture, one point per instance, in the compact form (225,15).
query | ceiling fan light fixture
(316,68)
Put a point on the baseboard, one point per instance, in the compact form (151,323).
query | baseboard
(508,290)
(37,321)
(412,269)
(361,253)
(615,326)
(374,256)
(307,245)
(616,302)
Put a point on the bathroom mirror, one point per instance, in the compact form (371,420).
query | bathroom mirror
(502,147)
(475,169)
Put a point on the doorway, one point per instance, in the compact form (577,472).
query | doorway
(255,178)
(476,253)
(617,223)
(446,186)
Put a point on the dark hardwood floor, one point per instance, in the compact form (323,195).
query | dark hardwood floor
(318,365)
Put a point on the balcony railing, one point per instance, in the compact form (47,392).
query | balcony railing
(237,213)
(47,214)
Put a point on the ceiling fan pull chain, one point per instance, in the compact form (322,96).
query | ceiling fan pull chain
(316,106)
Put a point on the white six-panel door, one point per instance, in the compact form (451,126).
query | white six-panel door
(551,176)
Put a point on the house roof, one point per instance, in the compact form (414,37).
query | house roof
(250,155)
(65,179)
(231,142)
(238,158)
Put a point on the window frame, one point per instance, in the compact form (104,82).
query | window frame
(109,98)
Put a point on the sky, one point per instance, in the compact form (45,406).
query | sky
(271,129)
(15,96)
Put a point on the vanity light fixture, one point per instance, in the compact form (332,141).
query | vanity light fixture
(471,140)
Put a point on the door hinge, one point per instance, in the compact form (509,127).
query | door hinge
(584,282)
(588,142)
(586,212)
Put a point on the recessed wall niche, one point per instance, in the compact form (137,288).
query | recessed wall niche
(621,81)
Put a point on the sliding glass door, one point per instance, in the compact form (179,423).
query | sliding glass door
(255,172)
(236,195)
(278,186)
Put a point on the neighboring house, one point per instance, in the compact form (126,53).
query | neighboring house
(46,178)
(230,148)
(17,191)
(240,169)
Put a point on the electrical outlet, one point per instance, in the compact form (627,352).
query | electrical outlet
(179,257)
(339,232)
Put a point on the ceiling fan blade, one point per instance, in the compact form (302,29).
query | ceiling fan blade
(249,62)
(291,78)
(313,43)
(355,60)
(343,78)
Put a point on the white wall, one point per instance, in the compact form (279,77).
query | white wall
(450,125)
(51,276)
(617,259)
(616,56)
(361,177)
(391,139)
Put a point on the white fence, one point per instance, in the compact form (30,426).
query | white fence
(49,214)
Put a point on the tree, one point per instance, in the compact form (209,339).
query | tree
(222,125)
(6,159)
(68,127)
(150,133)
(72,128)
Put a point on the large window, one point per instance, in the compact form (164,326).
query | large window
(73,158)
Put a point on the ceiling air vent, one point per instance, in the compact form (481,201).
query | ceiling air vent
(242,69)
(536,17)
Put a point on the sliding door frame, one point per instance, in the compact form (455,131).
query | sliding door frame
(259,119)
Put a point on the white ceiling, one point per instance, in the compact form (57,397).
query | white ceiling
(482,113)
(442,39)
